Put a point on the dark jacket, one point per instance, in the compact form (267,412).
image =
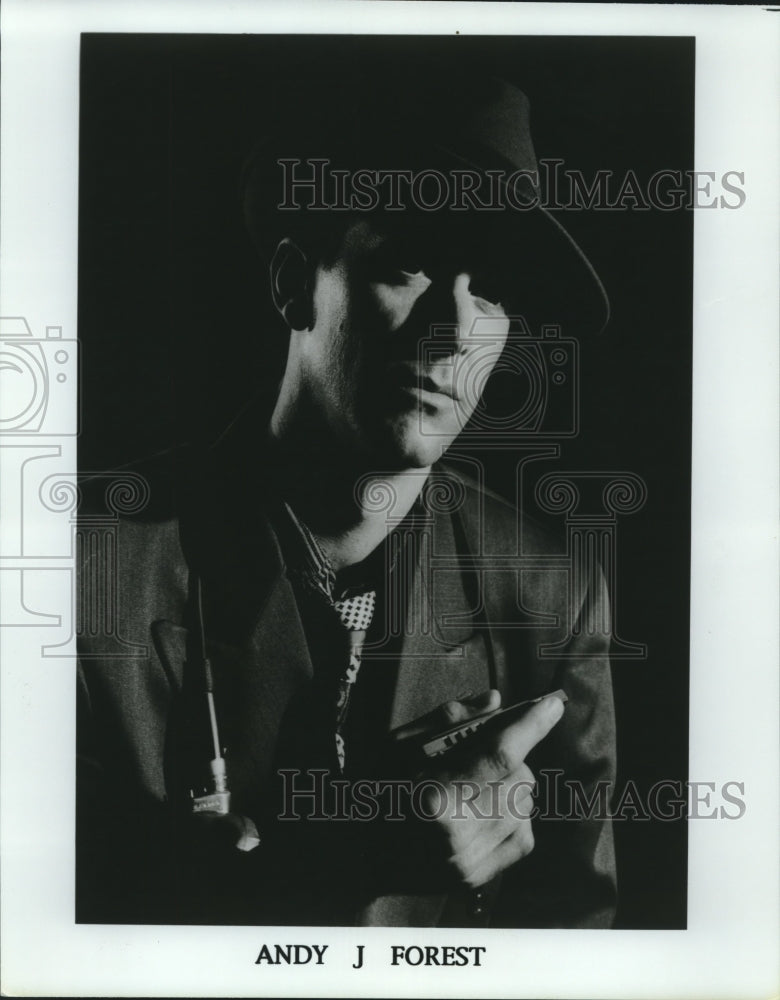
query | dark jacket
(491,603)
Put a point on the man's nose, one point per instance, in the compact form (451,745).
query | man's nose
(446,311)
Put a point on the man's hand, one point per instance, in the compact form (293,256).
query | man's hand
(478,796)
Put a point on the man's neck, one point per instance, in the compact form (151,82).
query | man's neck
(349,507)
(384,501)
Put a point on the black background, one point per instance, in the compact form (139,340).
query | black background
(176,332)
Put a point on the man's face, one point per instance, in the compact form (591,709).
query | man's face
(408,324)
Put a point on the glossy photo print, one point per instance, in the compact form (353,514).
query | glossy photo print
(384,490)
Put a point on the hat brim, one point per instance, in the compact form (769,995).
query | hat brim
(552,280)
(558,284)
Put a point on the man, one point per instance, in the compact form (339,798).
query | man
(331,598)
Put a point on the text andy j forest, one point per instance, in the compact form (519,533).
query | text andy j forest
(398,954)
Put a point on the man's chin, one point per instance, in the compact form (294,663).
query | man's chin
(406,448)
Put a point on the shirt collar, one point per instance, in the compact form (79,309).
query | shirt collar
(307,562)
(310,566)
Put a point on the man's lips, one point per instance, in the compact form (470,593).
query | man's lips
(408,378)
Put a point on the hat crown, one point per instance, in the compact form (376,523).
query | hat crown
(484,121)
(431,118)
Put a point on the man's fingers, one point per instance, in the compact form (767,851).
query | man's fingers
(517,845)
(478,823)
(506,749)
(451,713)
(476,844)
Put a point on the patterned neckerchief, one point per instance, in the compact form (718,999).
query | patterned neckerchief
(354,609)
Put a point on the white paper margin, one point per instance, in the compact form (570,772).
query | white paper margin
(730,947)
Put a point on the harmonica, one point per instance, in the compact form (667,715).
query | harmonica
(446,740)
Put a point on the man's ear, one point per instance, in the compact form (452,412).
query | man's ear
(291,285)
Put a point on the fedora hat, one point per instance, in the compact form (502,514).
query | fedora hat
(420,121)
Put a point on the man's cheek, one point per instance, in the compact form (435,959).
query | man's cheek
(388,305)
(470,382)
(440,429)
(473,371)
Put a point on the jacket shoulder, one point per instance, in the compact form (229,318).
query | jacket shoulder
(136,566)
(504,525)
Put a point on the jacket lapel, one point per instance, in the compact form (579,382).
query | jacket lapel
(255,643)
(444,654)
